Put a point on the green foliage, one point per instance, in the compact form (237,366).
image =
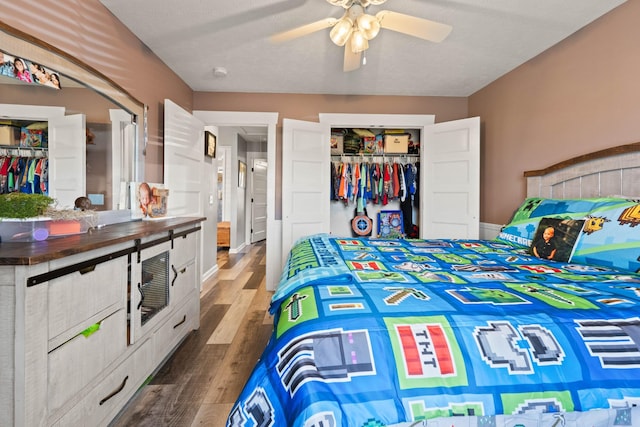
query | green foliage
(22,205)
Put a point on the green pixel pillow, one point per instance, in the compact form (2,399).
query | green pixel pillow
(611,237)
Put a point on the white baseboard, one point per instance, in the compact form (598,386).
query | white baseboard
(209,273)
(489,231)
(238,249)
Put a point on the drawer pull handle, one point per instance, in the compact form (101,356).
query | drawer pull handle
(91,329)
(141,295)
(86,270)
(184,319)
(113,393)
(176,272)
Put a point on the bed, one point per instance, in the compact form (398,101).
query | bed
(400,332)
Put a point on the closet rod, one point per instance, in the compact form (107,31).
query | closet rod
(12,150)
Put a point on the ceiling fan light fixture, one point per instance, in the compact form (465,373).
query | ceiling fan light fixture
(341,32)
(359,42)
(369,25)
(343,3)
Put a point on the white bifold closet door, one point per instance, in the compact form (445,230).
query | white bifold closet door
(306,155)
(449,174)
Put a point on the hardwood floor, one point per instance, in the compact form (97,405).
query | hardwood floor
(199,383)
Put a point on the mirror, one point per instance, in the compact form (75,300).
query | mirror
(95,128)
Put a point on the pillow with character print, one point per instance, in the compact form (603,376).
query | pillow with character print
(522,227)
(555,238)
(611,237)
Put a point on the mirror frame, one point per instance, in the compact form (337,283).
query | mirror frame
(18,43)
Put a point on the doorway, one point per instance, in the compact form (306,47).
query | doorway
(258,206)
(268,120)
(222,193)
(241,171)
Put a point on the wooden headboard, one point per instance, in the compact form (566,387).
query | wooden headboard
(611,172)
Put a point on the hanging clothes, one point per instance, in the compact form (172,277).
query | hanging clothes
(25,174)
(375,177)
(406,203)
(362,182)
(396,181)
(416,179)
(332,185)
(386,184)
(403,186)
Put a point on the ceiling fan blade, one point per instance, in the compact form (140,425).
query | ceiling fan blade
(413,26)
(351,60)
(303,30)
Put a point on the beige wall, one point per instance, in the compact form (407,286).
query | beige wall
(579,96)
(75,100)
(307,107)
(86,30)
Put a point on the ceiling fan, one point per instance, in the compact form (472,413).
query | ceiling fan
(355,28)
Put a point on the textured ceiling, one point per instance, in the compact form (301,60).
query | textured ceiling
(489,38)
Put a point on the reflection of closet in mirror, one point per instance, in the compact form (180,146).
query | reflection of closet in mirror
(84,153)
(104,136)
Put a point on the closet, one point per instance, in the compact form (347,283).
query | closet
(449,179)
(374,177)
(23,157)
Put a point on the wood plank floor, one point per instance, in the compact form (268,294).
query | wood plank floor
(200,381)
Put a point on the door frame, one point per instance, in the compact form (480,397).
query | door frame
(274,227)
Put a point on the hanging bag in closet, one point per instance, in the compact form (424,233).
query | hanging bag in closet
(361,224)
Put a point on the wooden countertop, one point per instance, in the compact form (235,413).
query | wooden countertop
(31,253)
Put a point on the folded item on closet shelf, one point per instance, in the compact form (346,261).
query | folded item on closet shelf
(364,133)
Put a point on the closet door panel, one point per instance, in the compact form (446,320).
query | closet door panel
(450,180)
(67,159)
(305,181)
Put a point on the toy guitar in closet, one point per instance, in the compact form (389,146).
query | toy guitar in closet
(361,224)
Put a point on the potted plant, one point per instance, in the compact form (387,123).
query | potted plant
(23,205)
(33,217)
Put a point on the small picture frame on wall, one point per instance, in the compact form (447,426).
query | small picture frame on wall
(242,174)
(210,143)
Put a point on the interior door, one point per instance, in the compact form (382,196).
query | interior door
(183,157)
(258,200)
(450,180)
(67,159)
(305,180)
(122,148)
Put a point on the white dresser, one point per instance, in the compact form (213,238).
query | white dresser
(86,319)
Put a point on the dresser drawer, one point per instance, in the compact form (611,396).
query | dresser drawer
(183,281)
(80,299)
(106,399)
(184,249)
(183,320)
(77,362)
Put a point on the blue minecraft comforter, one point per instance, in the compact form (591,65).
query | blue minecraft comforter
(405,332)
